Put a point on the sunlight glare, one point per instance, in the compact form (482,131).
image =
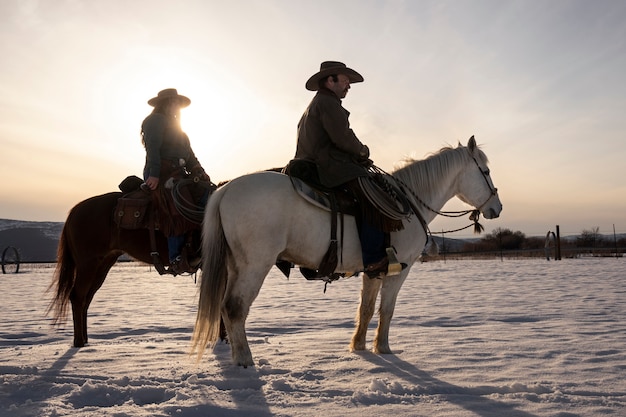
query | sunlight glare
(223,117)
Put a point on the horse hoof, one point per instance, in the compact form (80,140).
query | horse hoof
(244,362)
(357,347)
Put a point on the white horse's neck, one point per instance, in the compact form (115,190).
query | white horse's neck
(434,180)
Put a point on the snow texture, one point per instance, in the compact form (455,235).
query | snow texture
(471,338)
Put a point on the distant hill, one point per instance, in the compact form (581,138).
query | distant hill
(35,241)
(38,241)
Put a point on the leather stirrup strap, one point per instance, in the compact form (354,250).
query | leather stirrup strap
(156,258)
(329,262)
(341,239)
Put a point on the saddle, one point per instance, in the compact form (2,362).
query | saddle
(140,208)
(375,198)
(339,202)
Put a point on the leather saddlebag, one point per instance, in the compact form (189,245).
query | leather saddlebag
(131,212)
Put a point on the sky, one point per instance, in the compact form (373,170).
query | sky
(540,85)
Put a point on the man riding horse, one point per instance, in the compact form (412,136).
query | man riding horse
(338,158)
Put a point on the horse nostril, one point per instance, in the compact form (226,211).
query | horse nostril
(493,214)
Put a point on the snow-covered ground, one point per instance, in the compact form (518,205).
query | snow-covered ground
(471,338)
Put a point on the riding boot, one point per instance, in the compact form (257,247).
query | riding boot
(379,259)
(178,263)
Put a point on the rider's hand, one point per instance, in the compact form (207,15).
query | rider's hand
(153,182)
(198,172)
(364,153)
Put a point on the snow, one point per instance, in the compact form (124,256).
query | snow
(487,338)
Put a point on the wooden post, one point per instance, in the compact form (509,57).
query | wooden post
(443,243)
(557,256)
(615,241)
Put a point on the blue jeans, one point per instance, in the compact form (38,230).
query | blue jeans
(175,245)
(372,244)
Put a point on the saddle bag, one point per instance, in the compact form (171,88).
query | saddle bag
(131,210)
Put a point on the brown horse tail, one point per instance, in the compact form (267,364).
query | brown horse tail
(214,277)
(62,281)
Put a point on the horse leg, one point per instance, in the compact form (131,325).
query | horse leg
(79,317)
(388,296)
(241,292)
(82,295)
(369,292)
(234,314)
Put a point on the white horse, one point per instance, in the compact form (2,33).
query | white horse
(257,219)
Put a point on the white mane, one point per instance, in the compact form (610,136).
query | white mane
(426,174)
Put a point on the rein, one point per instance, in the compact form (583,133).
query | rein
(474,213)
(403,187)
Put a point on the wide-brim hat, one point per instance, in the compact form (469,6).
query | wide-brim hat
(331,68)
(169,94)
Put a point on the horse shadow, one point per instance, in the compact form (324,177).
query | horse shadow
(470,398)
(40,389)
(244,387)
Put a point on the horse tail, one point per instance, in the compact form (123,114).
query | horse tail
(63,280)
(214,277)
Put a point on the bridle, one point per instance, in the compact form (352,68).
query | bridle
(474,213)
(485,174)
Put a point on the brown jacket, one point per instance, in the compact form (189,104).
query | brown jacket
(325,138)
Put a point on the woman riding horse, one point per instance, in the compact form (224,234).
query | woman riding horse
(169,155)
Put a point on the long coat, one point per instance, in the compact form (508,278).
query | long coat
(325,138)
(165,144)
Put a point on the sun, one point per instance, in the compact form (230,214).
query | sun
(227,120)
(214,116)
(216,122)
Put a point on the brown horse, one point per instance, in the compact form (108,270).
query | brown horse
(90,244)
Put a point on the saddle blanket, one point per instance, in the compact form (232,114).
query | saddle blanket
(313,196)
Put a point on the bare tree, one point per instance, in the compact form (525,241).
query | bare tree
(589,238)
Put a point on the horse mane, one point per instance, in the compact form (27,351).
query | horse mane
(426,174)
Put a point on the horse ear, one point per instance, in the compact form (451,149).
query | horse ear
(471,144)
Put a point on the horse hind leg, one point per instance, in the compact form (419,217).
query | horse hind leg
(241,292)
(79,318)
(234,313)
(369,292)
(88,281)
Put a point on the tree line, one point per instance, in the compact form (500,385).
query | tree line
(503,239)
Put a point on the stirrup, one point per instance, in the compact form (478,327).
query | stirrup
(180,265)
(394,267)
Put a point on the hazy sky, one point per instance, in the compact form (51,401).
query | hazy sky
(541,84)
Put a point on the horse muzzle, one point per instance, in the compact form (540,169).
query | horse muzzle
(492,211)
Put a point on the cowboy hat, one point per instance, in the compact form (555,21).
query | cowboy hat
(331,68)
(168,94)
